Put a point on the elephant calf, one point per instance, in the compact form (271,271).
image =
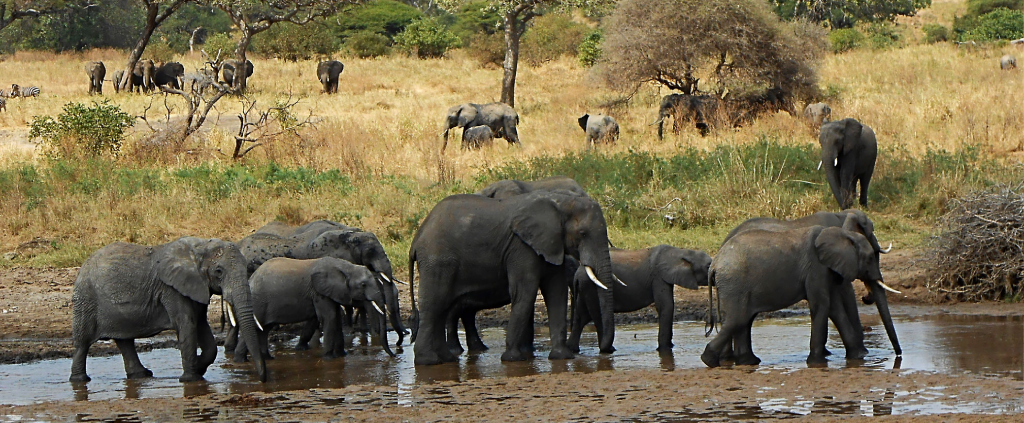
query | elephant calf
(476,137)
(1007,62)
(599,128)
(648,276)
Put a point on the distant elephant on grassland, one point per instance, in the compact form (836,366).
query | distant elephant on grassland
(648,276)
(287,290)
(817,114)
(476,137)
(848,153)
(96,72)
(169,73)
(127,291)
(599,128)
(500,117)
(328,73)
(142,76)
(230,66)
(1007,62)
(699,109)
(117,80)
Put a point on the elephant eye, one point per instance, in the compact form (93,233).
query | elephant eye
(218,271)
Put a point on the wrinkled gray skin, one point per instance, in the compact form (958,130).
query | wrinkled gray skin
(314,228)
(287,291)
(848,152)
(476,137)
(323,239)
(476,252)
(328,72)
(854,220)
(817,114)
(169,73)
(117,79)
(650,275)
(599,128)
(96,72)
(127,291)
(760,271)
(510,187)
(142,76)
(1007,62)
(699,109)
(228,68)
(500,117)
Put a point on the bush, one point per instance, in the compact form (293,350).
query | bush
(845,39)
(552,36)
(934,33)
(476,18)
(883,35)
(385,17)
(295,42)
(489,49)
(427,38)
(81,129)
(982,7)
(999,24)
(222,42)
(589,51)
(369,44)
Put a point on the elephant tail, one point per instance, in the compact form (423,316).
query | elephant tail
(710,322)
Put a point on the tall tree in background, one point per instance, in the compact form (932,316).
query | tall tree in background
(845,13)
(13,10)
(156,12)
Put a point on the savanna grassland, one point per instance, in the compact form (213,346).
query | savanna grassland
(948,122)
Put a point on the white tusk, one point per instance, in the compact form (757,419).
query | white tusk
(384,276)
(819,165)
(377,307)
(619,280)
(886,287)
(887,249)
(835,161)
(257,321)
(590,273)
(231,316)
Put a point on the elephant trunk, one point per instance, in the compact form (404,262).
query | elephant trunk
(606,304)
(241,300)
(878,294)
(381,309)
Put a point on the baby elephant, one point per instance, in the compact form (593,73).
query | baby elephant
(1007,62)
(648,276)
(476,137)
(599,128)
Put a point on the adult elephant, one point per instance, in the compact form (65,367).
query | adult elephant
(699,109)
(848,152)
(328,73)
(511,187)
(314,228)
(169,73)
(478,252)
(649,276)
(599,128)
(96,72)
(500,117)
(293,291)
(817,114)
(126,291)
(142,76)
(229,67)
(760,271)
(1007,62)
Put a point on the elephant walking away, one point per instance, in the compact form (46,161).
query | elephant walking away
(817,114)
(292,291)
(599,128)
(648,277)
(96,72)
(169,73)
(328,73)
(1007,62)
(848,153)
(759,271)
(476,137)
(127,291)
(473,252)
(230,66)
(500,117)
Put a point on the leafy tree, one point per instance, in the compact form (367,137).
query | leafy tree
(14,10)
(427,38)
(95,130)
(999,24)
(589,51)
(982,7)
(710,46)
(369,44)
(845,13)
(294,42)
(157,11)
(385,17)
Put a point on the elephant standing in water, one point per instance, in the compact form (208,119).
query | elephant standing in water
(476,252)
(96,72)
(328,73)
(648,276)
(599,128)
(500,117)
(126,291)
(848,152)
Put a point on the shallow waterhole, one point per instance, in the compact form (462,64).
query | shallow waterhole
(932,342)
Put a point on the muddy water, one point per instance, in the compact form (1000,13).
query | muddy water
(935,343)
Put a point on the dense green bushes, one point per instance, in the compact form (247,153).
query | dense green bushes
(296,42)
(989,20)
(935,33)
(552,36)
(427,38)
(82,130)
(845,39)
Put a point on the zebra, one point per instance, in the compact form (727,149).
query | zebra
(17,91)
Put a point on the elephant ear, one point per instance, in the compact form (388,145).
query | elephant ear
(330,281)
(677,269)
(177,266)
(466,115)
(851,138)
(539,224)
(583,121)
(837,251)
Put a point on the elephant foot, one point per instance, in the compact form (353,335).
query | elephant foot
(301,347)
(817,360)
(430,358)
(239,358)
(477,346)
(665,348)
(333,355)
(607,350)
(710,358)
(856,354)
(574,348)
(140,374)
(81,377)
(748,360)
(190,377)
(456,348)
(229,348)
(514,355)
(827,352)
(562,353)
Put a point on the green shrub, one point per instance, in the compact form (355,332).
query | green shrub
(427,38)
(935,33)
(385,17)
(552,36)
(295,42)
(845,39)
(159,51)
(589,51)
(999,24)
(222,42)
(476,18)
(883,35)
(82,130)
(981,7)
(369,44)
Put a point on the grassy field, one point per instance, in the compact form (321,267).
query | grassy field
(948,122)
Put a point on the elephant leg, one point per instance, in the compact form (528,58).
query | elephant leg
(207,345)
(665,306)
(580,318)
(231,340)
(308,330)
(847,184)
(360,319)
(83,329)
(523,289)
(452,328)
(865,180)
(430,347)
(78,373)
(845,316)
(556,300)
(133,368)
(328,313)
(264,340)
(187,342)
(346,319)
(744,351)
(241,350)
(736,318)
(473,341)
(819,301)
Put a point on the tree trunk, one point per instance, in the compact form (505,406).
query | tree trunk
(133,58)
(511,63)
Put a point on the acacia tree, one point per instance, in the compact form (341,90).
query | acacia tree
(13,10)
(252,17)
(709,46)
(157,11)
